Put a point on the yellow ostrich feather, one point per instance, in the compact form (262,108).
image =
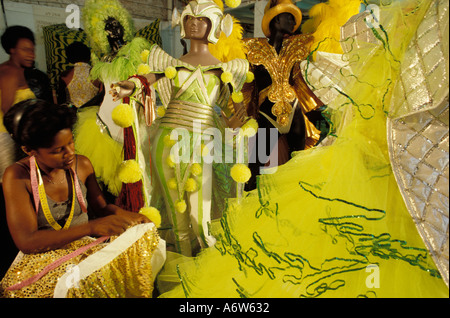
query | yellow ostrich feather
(325,23)
(228,48)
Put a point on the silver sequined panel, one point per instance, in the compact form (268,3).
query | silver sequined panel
(355,33)
(420,160)
(418,133)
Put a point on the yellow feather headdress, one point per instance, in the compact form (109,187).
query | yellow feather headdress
(229,47)
(325,23)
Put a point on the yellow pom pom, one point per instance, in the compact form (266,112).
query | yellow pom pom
(152,214)
(250,77)
(172,184)
(190,185)
(161,111)
(204,150)
(144,56)
(143,69)
(233,3)
(237,97)
(170,161)
(170,72)
(168,142)
(249,129)
(196,169)
(129,171)
(122,115)
(240,173)
(226,77)
(180,206)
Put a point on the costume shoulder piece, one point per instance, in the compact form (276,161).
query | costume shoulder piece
(238,69)
(158,60)
(295,47)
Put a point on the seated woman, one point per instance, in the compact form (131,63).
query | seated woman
(47,194)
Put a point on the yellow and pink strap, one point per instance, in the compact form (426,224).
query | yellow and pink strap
(35,186)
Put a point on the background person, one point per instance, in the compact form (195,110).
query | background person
(75,87)
(18,42)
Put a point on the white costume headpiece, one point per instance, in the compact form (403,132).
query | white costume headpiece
(208,9)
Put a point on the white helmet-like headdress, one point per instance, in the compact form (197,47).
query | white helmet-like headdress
(208,9)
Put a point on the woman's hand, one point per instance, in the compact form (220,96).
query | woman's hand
(122,89)
(135,218)
(116,224)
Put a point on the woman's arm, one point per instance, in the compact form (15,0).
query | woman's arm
(123,89)
(23,225)
(22,218)
(9,83)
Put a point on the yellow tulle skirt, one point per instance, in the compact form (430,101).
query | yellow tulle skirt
(104,152)
(331,222)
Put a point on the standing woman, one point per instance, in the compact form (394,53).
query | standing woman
(18,42)
(47,195)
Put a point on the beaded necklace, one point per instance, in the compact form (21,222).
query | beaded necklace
(40,196)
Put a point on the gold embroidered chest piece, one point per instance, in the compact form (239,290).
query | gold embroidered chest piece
(294,49)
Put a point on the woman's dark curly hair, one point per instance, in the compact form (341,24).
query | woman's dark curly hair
(34,123)
(13,34)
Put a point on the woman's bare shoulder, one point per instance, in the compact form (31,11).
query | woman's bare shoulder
(8,70)
(83,161)
(83,166)
(18,171)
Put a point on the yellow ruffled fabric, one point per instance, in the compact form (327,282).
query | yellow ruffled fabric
(97,145)
(21,94)
(330,222)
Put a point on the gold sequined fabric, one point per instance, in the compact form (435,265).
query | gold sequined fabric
(418,133)
(32,264)
(294,49)
(281,92)
(127,275)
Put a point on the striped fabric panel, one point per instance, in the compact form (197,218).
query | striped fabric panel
(56,38)
(151,33)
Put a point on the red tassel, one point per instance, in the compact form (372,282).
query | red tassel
(147,92)
(131,196)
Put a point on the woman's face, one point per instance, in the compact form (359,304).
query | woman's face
(196,28)
(23,53)
(61,154)
(286,23)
